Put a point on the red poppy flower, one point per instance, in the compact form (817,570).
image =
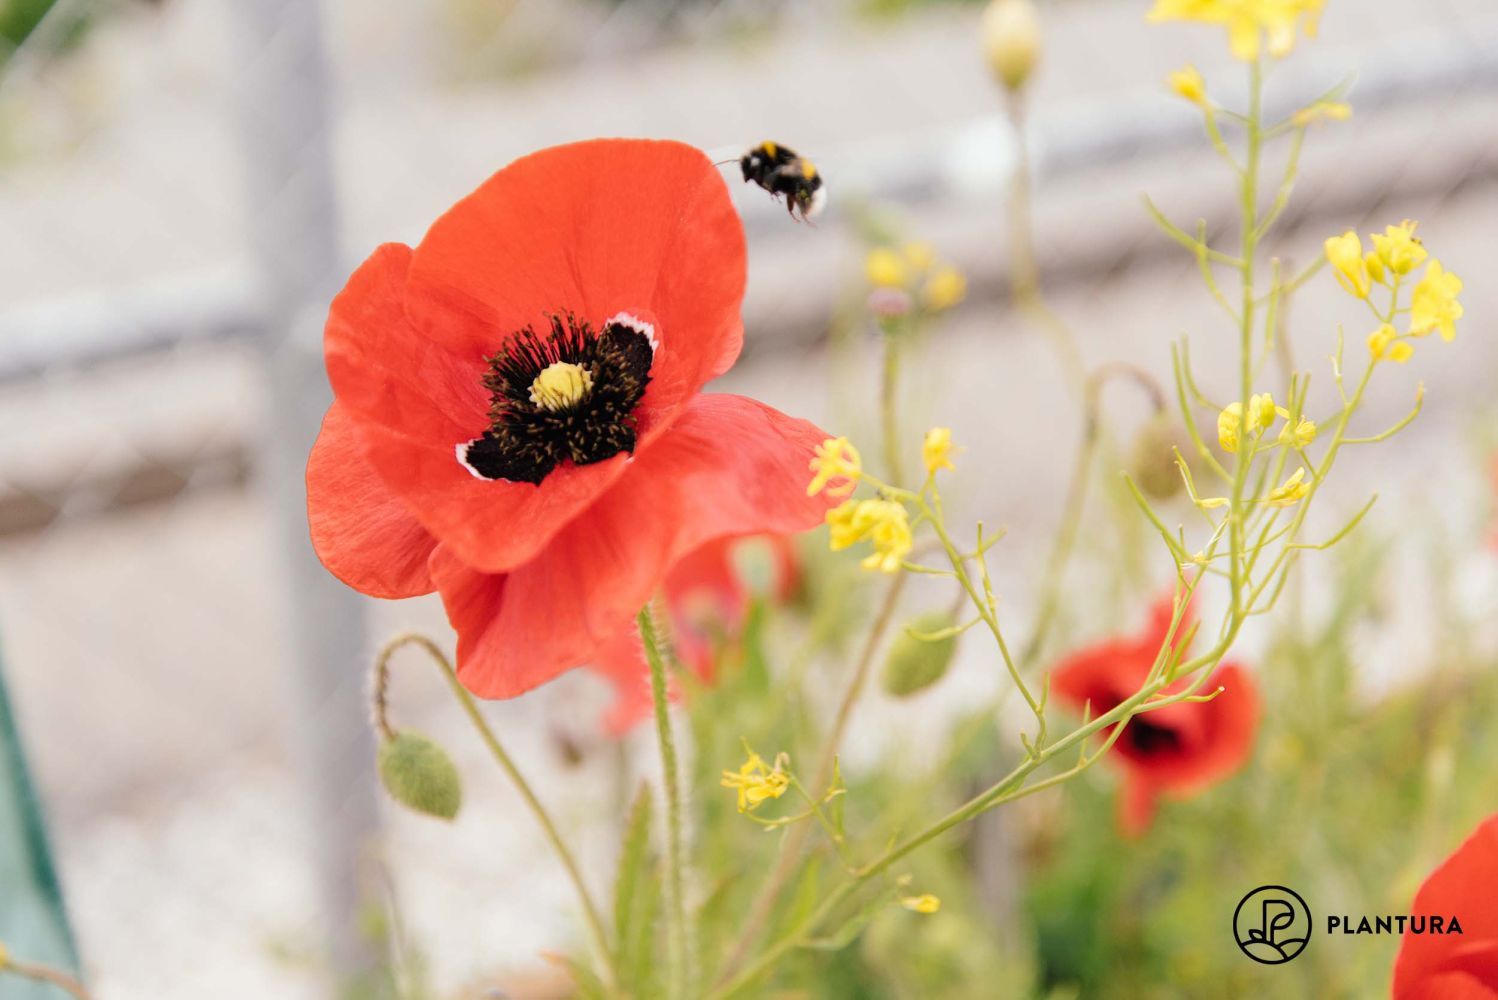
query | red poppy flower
(517,420)
(1174,750)
(1455,966)
(707,601)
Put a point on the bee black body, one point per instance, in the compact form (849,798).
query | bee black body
(781,172)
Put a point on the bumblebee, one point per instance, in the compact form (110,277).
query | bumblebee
(780,171)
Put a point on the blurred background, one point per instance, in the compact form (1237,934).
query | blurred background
(184,184)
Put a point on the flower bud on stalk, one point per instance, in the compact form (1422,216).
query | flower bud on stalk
(1152,458)
(1010,33)
(914,663)
(419,775)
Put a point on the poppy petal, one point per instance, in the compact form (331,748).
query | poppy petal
(415,402)
(729,466)
(361,532)
(1465,965)
(644,227)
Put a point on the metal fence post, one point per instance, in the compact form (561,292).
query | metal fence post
(284,122)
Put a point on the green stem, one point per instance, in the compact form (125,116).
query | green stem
(680,958)
(39,973)
(594,922)
(889,391)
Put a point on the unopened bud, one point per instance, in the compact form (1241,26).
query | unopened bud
(419,775)
(915,663)
(1010,32)
(1152,459)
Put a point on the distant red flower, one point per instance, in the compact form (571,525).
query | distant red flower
(517,420)
(1173,750)
(707,602)
(1455,966)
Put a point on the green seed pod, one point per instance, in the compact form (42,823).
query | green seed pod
(1152,459)
(914,663)
(419,775)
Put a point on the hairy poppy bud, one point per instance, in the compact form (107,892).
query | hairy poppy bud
(1152,459)
(1010,33)
(419,775)
(916,663)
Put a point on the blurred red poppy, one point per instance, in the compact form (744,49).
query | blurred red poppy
(1455,966)
(517,419)
(707,601)
(1175,750)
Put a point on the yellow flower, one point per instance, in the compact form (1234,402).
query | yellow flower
(1332,111)
(1384,345)
(924,903)
(1434,306)
(885,524)
(1251,24)
(885,268)
(1345,254)
(1188,83)
(1292,491)
(944,289)
(756,782)
(1299,436)
(835,458)
(937,450)
(1261,412)
(920,255)
(1261,415)
(1398,249)
(4,955)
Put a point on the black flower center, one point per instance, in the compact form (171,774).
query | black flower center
(1148,738)
(567,396)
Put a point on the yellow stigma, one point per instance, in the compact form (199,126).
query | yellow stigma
(561,384)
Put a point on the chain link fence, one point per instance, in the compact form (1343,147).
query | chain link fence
(184,183)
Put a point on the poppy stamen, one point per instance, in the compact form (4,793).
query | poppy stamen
(567,396)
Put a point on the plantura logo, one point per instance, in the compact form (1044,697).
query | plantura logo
(1272,924)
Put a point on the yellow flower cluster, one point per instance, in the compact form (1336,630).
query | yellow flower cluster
(1396,252)
(885,524)
(1188,83)
(835,458)
(1293,490)
(915,270)
(1252,25)
(756,782)
(924,903)
(1261,416)
(937,450)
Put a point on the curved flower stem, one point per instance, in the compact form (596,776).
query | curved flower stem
(680,958)
(39,973)
(795,838)
(591,916)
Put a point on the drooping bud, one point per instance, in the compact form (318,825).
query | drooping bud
(1010,33)
(1152,458)
(916,660)
(419,775)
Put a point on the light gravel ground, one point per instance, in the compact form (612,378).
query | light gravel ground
(141,646)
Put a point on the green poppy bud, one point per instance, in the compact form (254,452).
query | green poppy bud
(419,775)
(1152,459)
(916,663)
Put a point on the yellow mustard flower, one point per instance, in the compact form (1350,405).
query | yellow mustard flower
(1188,83)
(835,458)
(1261,415)
(1434,305)
(920,255)
(756,782)
(1398,249)
(1293,490)
(1384,345)
(1252,25)
(1332,111)
(937,450)
(1300,435)
(1345,254)
(944,289)
(924,903)
(885,524)
(885,268)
